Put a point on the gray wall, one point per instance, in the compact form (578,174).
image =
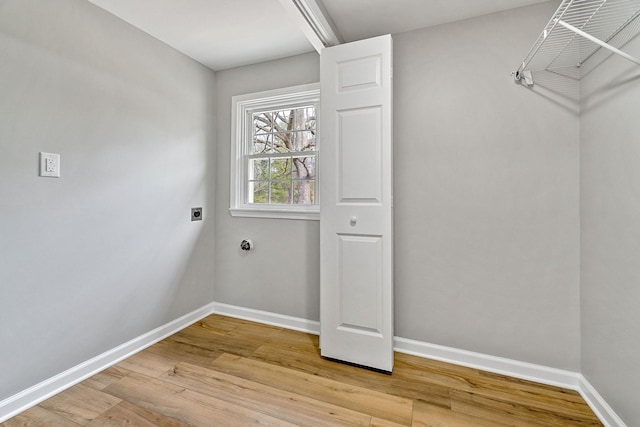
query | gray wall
(610,209)
(486,194)
(281,274)
(106,252)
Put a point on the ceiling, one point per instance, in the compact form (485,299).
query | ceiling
(223,34)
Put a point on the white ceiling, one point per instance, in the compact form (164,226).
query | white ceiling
(228,33)
(360,19)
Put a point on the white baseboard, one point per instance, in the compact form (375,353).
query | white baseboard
(33,395)
(268,318)
(499,365)
(517,369)
(514,368)
(598,405)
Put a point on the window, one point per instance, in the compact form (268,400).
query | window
(274,159)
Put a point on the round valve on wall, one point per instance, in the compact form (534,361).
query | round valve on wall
(246,245)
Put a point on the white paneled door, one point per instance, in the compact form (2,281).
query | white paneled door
(356,219)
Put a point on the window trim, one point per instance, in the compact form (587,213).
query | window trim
(242,106)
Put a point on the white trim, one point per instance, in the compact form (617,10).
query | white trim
(241,106)
(500,365)
(25,399)
(314,21)
(268,318)
(275,213)
(598,405)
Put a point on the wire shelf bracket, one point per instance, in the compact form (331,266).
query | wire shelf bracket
(576,32)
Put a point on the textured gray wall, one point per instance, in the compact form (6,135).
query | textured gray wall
(106,252)
(486,193)
(282,273)
(610,209)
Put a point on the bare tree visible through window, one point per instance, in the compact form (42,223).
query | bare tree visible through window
(282,159)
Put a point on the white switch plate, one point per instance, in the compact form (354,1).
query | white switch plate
(50,165)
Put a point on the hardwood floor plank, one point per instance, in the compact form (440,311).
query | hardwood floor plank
(313,363)
(219,343)
(127,414)
(185,352)
(249,331)
(569,399)
(360,399)
(80,403)
(388,384)
(38,417)
(377,422)
(246,333)
(425,415)
(149,363)
(185,405)
(469,378)
(217,324)
(289,358)
(297,340)
(223,324)
(109,376)
(291,407)
(394,384)
(526,393)
(512,414)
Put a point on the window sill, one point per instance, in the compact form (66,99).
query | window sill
(312,214)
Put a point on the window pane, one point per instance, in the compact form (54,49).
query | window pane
(294,141)
(282,143)
(281,168)
(282,120)
(262,123)
(304,192)
(304,167)
(281,193)
(304,118)
(258,192)
(305,141)
(259,169)
(261,144)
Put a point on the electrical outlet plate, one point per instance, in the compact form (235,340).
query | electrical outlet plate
(50,165)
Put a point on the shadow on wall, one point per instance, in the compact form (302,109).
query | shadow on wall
(558,89)
(611,90)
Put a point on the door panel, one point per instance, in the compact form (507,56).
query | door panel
(360,145)
(360,285)
(356,215)
(360,73)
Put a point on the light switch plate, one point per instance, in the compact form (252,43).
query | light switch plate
(50,165)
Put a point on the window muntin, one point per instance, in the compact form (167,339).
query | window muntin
(282,166)
(275,154)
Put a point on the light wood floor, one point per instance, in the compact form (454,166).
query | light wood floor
(228,372)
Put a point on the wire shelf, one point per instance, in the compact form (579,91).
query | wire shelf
(577,31)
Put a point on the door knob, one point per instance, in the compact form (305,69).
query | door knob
(353,220)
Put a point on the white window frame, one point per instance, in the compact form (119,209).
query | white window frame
(242,108)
